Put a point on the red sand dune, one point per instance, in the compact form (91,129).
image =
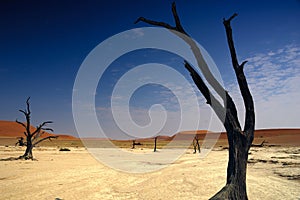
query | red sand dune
(261,133)
(271,136)
(12,129)
(290,137)
(189,135)
(276,136)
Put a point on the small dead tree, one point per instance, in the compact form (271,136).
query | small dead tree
(20,142)
(155,142)
(33,138)
(133,144)
(196,144)
(239,139)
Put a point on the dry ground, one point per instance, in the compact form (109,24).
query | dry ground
(273,173)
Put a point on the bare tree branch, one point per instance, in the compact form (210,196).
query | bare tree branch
(155,23)
(37,135)
(231,112)
(27,113)
(233,118)
(210,99)
(47,129)
(230,18)
(243,85)
(40,127)
(243,63)
(23,111)
(43,139)
(179,28)
(21,123)
(199,82)
(194,47)
(28,106)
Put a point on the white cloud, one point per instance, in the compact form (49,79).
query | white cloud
(273,77)
(274,80)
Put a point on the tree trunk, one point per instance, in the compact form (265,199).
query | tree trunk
(155,141)
(28,152)
(235,187)
(196,144)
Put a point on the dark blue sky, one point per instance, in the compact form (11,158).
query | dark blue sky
(43,43)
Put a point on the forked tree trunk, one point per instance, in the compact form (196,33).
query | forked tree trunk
(239,139)
(239,143)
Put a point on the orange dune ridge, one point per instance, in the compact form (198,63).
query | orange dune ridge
(10,129)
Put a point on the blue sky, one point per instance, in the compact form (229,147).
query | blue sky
(43,44)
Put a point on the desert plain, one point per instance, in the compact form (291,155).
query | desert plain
(273,172)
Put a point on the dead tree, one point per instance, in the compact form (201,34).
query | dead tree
(135,143)
(33,137)
(239,139)
(20,142)
(155,141)
(196,144)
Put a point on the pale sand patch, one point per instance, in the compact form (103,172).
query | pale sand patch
(77,175)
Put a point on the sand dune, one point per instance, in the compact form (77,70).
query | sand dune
(283,137)
(12,129)
(277,136)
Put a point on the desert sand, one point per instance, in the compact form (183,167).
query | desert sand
(273,170)
(273,173)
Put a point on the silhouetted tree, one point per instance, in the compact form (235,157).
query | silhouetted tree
(239,139)
(135,143)
(33,138)
(155,141)
(196,144)
(20,142)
